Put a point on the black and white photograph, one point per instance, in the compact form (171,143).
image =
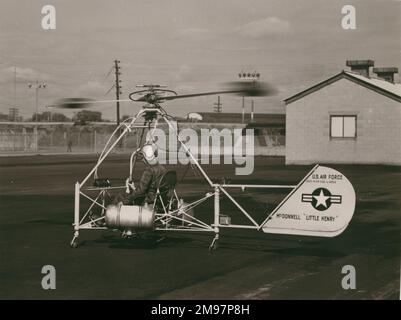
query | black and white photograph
(221,152)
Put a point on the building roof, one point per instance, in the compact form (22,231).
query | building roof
(388,89)
(233,117)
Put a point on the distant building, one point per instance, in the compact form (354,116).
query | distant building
(13,115)
(232,117)
(351,117)
(3,117)
(194,116)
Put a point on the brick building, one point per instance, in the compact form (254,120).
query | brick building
(351,117)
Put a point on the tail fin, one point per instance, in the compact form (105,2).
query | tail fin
(322,205)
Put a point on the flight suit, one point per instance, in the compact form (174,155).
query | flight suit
(146,188)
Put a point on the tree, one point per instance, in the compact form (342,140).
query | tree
(48,116)
(40,117)
(59,117)
(88,116)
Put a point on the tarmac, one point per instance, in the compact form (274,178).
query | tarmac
(36,213)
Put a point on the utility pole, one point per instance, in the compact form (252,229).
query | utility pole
(118,87)
(252,111)
(248,77)
(15,86)
(36,86)
(218,105)
(243,109)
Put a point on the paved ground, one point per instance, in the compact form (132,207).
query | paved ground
(36,207)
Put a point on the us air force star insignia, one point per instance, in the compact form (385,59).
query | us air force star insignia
(321,199)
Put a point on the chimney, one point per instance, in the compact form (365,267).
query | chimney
(361,66)
(386,73)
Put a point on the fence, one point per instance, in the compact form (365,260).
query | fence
(18,142)
(61,139)
(58,141)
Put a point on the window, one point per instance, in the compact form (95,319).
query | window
(342,126)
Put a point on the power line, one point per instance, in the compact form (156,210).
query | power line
(111,88)
(108,73)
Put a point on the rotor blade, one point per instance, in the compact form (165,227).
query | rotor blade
(252,88)
(241,88)
(144,98)
(78,103)
(181,96)
(248,89)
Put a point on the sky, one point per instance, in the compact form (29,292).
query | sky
(188,45)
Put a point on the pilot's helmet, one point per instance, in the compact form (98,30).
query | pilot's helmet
(149,152)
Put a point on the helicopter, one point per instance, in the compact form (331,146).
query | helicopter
(321,204)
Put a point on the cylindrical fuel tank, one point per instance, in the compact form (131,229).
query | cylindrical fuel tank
(135,217)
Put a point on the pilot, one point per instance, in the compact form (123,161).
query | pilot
(145,189)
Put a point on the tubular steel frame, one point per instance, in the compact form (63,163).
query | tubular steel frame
(164,221)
